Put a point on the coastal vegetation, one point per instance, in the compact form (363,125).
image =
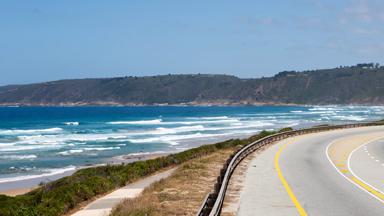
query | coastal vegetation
(180,194)
(360,84)
(60,196)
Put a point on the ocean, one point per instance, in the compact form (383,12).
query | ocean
(47,141)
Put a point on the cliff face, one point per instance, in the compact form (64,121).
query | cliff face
(350,85)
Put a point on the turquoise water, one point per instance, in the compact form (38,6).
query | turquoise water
(49,140)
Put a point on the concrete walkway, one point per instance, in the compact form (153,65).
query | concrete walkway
(104,205)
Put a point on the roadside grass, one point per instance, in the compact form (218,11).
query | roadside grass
(60,196)
(180,194)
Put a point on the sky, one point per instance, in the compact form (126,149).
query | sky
(51,40)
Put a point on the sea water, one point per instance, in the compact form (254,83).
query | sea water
(44,141)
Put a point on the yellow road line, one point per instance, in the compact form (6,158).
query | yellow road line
(286,185)
(348,173)
(368,188)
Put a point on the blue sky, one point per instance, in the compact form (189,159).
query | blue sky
(50,40)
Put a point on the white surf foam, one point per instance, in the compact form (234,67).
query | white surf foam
(47,172)
(32,142)
(217,121)
(161,122)
(40,140)
(162,130)
(70,152)
(68,138)
(296,111)
(349,118)
(72,123)
(178,129)
(172,139)
(326,108)
(101,148)
(201,128)
(210,118)
(18,157)
(142,122)
(15,148)
(31,131)
(82,150)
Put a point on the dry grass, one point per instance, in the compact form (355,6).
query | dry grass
(180,194)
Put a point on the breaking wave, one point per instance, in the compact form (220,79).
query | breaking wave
(72,123)
(79,151)
(46,173)
(143,122)
(18,157)
(31,131)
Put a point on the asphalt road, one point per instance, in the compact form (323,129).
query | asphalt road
(337,173)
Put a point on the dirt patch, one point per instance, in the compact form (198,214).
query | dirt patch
(180,194)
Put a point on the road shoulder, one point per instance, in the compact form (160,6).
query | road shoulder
(264,194)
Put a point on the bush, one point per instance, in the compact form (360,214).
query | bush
(286,129)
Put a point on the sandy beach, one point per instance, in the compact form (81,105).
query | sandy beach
(17,191)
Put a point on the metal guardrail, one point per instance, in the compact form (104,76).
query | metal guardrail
(213,202)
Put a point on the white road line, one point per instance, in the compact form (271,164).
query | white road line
(356,176)
(334,166)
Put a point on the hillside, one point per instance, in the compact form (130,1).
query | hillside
(345,85)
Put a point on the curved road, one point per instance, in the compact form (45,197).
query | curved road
(337,173)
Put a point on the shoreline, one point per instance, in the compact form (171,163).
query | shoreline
(19,187)
(22,186)
(192,104)
(161,104)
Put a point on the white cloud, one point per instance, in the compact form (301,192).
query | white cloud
(360,11)
(364,11)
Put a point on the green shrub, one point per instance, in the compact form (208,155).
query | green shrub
(286,129)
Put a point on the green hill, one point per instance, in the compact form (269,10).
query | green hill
(362,84)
